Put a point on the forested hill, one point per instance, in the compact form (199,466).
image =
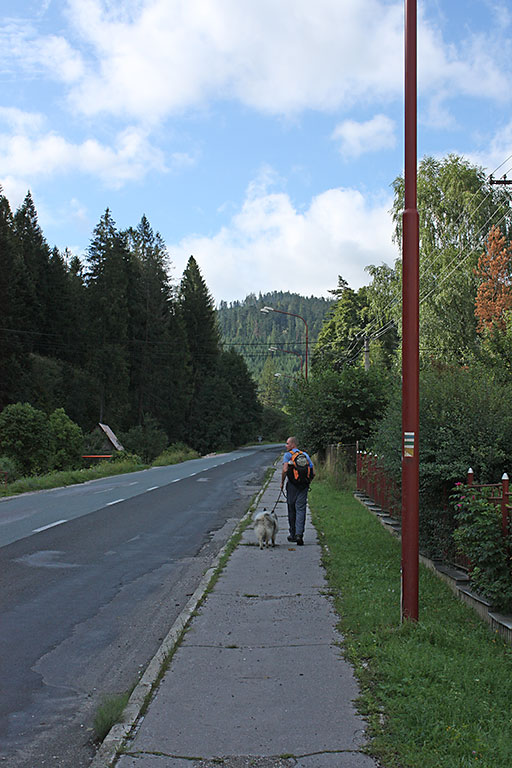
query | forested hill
(247,330)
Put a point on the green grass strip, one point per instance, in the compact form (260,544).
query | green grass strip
(102,469)
(437,693)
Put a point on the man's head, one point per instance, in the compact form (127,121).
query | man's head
(291,443)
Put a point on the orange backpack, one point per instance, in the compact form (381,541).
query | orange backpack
(299,471)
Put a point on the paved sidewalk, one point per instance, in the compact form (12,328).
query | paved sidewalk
(258,679)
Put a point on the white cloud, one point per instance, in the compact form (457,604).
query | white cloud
(271,245)
(159,57)
(18,120)
(14,189)
(21,45)
(276,57)
(50,154)
(469,69)
(370,136)
(148,59)
(498,155)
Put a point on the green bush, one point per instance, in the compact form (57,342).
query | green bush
(25,437)
(119,457)
(147,440)
(8,470)
(479,537)
(463,423)
(67,441)
(174,454)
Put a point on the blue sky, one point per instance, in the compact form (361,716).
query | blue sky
(261,136)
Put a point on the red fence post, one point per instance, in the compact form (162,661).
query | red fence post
(469,480)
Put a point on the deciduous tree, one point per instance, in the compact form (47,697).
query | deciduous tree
(456,205)
(494,292)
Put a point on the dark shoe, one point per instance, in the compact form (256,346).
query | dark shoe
(292,538)
(300,541)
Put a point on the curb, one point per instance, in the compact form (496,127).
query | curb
(147,685)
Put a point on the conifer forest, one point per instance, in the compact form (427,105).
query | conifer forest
(110,339)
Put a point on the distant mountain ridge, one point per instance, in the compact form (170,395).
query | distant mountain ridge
(250,332)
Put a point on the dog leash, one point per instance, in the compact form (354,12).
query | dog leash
(275,505)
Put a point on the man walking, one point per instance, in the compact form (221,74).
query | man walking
(298,470)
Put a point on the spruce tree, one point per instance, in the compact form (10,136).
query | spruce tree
(33,285)
(199,317)
(159,345)
(245,410)
(107,292)
(13,359)
(207,419)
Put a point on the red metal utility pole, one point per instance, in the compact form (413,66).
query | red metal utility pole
(410,334)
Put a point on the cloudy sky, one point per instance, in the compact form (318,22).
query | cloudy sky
(262,136)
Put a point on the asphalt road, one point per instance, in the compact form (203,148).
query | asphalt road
(91,579)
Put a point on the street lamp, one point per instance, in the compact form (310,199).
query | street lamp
(266,310)
(289,352)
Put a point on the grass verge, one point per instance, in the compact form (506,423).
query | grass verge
(69,477)
(172,455)
(437,693)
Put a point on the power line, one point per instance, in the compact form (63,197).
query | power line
(444,275)
(501,164)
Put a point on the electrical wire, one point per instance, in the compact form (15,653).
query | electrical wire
(444,275)
(499,166)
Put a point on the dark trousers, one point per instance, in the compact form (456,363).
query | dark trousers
(296,499)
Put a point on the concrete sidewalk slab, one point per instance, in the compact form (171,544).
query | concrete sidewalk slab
(259,680)
(260,620)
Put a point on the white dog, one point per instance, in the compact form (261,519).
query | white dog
(266,527)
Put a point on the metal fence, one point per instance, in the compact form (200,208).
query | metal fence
(500,496)
(373,480)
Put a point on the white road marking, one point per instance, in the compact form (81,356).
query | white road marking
(45,527)
(153,488)
(113,502)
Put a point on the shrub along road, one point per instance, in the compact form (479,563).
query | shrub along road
(86,603)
